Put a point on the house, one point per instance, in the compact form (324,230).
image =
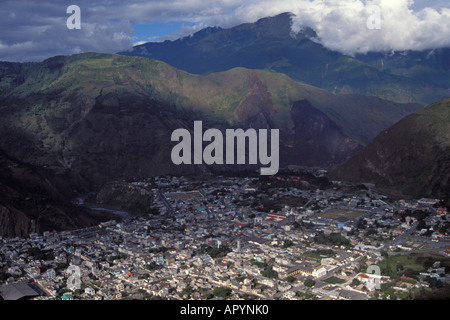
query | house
(19,290)
(319,272)
(289,295)
(89,291)
(277,219)
(370,280)
(307,269)
(14,271)
(437,235)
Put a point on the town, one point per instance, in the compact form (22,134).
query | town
(294,236)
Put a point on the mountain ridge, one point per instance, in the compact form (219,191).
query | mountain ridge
(90,119)
(413,156)
(269,44)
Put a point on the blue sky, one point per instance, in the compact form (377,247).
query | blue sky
(158,31)
(35,30)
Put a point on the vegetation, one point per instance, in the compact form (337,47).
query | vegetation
(270,273)
(334,280)
(356,282)
(334,239)
(320,253)
(416,171)
(309,283)
(287,244)
(215,252)
(441,293)
(410,265)
(221,292)
(261,265)
(303,60)
(290,279)
(153,266)
(306,295)
(186,292)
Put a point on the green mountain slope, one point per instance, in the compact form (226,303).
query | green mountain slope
(270,45)
(413,156)
(81,121)
(49,101)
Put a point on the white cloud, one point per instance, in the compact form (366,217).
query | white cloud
(342,25)
(39,28)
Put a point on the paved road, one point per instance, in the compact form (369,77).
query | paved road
(401,238)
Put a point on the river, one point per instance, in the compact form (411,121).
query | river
(80,201)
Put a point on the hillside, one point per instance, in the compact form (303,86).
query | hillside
(33,200)
(84,120)
(413,156)
(83,106)
(269,44)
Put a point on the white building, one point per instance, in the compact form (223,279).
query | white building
(319,272)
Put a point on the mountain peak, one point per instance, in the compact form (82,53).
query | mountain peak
(271,44)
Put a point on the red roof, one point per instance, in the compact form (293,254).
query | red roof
(275,217)
(408,278)
(363,275)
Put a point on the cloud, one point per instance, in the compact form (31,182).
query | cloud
(35,30)
(344,27)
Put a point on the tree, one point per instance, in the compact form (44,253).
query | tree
(270,273)
(309,283)
(290,279)
(187,291)
(221,292)
(356,282)
(287,244)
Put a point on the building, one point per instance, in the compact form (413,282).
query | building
(277,219)
(370,280)
(18,291)
(89,291)
(319,272)
(307,269)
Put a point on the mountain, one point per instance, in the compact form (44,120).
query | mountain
(32,201)
(430,66)
(269,44)
(320,140)
(413,156)
(82,121)
(93,111)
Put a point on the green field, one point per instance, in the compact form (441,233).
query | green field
(350,214)
(410,265)
(334,280)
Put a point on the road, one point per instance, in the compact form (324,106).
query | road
(401,238)
(166,203)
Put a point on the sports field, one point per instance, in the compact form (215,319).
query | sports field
(349,214)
